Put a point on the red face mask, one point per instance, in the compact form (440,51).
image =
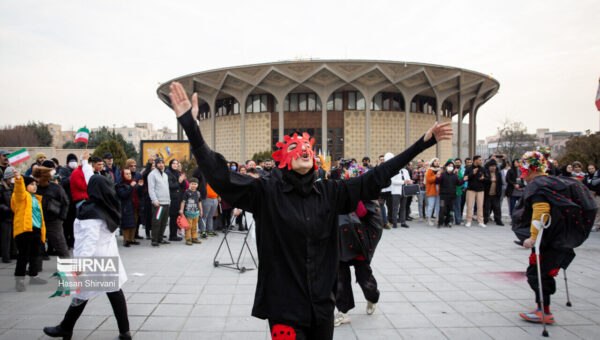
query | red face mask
(291,148)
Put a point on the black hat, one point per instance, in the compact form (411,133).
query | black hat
(28,180)
(448,163)
(108,155)
(158,160)
(71,157)
(492,162)
(48,164)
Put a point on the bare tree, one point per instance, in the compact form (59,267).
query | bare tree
(513,139)
(18,136)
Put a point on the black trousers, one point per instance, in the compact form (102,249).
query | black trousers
(393,204)
(119,307)
(147,216)
(29,245)
(408,203)
(56,237)
(8,247)
(446,207)
(281,330)
(463,200)
(551,261)
(173,225)
(492,204)
(68,226)
(344,299)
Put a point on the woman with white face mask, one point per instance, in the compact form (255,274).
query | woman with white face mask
(447,179)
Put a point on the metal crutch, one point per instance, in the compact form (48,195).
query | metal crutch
(540,225)
(567,288)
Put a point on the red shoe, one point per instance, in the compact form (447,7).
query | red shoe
(536,316)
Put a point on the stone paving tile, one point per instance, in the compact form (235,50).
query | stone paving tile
(435,284)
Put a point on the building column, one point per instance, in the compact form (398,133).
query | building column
(438,111)
(368,124)
(459,129)
(281,118)
(472,139)
(324,133)
(407,121)
(243,131)
(213,129)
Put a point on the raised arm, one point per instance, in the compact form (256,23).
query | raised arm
(368,186)
(237,189)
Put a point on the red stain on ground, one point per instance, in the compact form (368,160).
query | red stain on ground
(510,275)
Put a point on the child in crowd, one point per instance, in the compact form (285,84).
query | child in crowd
(191,208)
(29,229)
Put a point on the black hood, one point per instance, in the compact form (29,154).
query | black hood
(102,203)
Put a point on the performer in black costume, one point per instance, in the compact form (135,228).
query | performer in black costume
(296,221)
(569,208)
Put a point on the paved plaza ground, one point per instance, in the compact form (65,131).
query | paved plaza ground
(453,283)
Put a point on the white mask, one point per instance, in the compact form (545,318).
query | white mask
(73,165)
(52,172)
(450,168)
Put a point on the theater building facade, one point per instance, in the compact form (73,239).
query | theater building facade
(353,108)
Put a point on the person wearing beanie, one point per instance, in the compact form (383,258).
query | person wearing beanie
(40,157)
(492,193)
(158,191)
(29,229)
(7,245)
(55,204)
(296,220)
(4,160)
(447,180)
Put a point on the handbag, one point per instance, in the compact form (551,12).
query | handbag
(411,189)
(182,222)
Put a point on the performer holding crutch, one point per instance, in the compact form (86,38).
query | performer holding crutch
(560,209)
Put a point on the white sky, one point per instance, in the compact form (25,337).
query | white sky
(99,62)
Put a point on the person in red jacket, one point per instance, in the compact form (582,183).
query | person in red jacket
(77,181)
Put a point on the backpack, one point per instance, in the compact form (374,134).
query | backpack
(573,211)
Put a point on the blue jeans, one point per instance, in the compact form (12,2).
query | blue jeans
(433,202)
(421,200)
(457,210)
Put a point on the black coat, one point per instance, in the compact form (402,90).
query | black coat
(448,183)
(488,182)
(296,233)
(176,190)
(511,180)
(55,202)
(6,213)
(125,192)
(360,235)
(476,182)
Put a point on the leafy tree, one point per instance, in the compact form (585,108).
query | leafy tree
(262,155)
(114,147)
(514,140)
(188,166)
(585,149)
(41,131)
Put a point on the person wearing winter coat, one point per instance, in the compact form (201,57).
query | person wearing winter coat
(431,190)
(65,173)
(158,191)
(111,170)
(396,202)
(8,248)
(29,229)
(55,203)
(493,192)
(514,185)
(447,180)
(95,227)
(475,175)
(177,186)
(127,192)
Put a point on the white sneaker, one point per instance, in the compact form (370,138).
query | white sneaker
(371,307)
(341,318)
(430,221)
(482,225)
(468,224)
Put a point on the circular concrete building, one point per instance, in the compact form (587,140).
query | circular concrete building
(359,107)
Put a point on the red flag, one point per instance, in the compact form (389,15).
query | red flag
(598,97)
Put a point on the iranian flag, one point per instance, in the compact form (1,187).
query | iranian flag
(598,97)
(18,157)
(83,135)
